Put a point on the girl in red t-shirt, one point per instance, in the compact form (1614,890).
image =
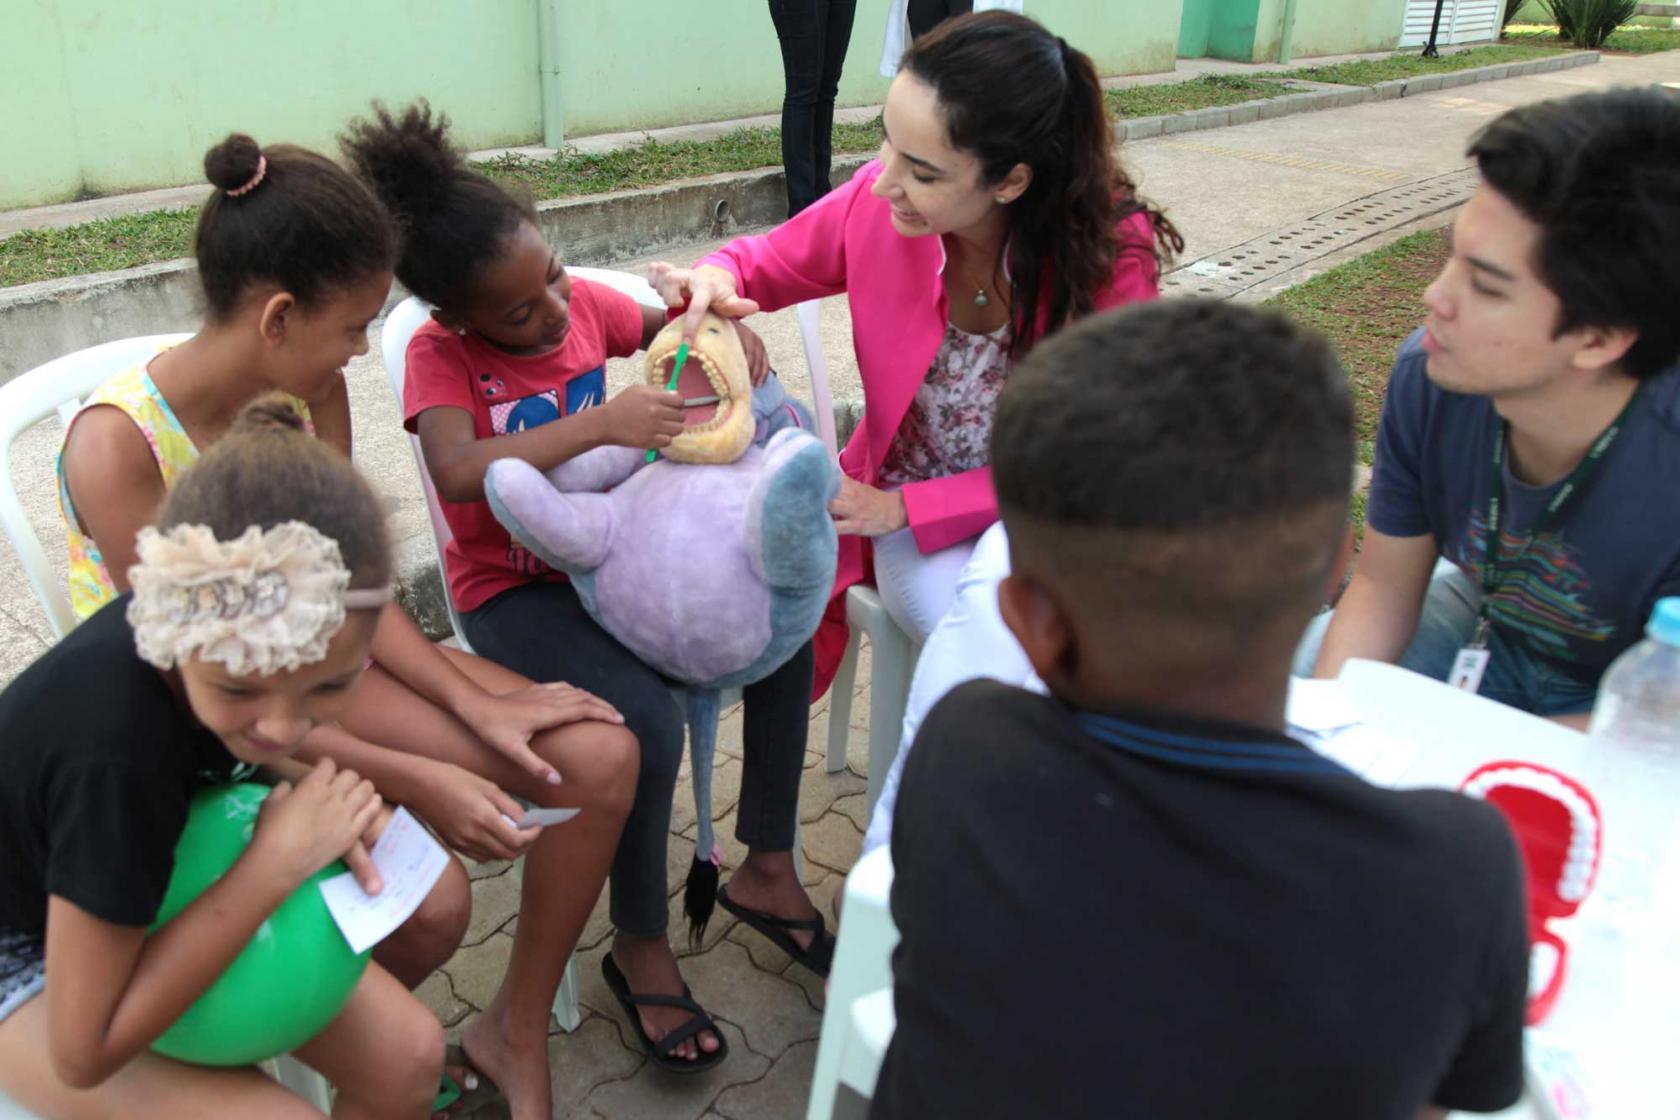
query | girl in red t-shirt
(513,364)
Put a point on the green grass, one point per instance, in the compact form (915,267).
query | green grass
(1626,40)
(110,243)
(1367,307)
(1206,92)
(652,162)
(1411,64)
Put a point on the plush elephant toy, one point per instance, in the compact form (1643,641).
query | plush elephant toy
(712,564)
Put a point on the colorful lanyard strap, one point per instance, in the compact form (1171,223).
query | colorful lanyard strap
(1496,501)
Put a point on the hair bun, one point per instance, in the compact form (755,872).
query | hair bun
(271,413)
(232,163)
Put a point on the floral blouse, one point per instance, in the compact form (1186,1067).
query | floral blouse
(948,429)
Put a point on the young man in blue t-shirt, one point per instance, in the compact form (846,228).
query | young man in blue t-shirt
(1539,409)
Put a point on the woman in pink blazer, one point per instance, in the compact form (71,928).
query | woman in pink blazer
(996,214)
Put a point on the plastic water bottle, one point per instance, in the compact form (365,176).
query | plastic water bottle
(1621,1001)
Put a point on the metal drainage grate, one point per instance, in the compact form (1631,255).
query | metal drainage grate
(1227,274)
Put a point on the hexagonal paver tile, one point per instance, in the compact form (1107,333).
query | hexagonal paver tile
(495,902)
(772,1012)
(819,790)
(436,994)
(475,972)
(580,1062)
(778,1095)
(834,842)
(652,1093)
(855,806)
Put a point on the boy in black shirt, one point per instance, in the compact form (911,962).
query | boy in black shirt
(1138,897)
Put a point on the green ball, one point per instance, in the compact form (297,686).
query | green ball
(292,978)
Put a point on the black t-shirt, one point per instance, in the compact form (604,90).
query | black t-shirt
(99,759)
(1156,918)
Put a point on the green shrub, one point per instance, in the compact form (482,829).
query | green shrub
(1511,9)
(1587,23)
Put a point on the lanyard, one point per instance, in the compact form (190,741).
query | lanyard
(1496,501)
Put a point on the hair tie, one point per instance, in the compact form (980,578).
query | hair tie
(262,169)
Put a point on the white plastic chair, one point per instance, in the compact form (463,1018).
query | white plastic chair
(57,388)
(854,1032)
(892,653)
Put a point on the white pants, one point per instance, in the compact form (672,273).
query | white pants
(917,588)
(969,641)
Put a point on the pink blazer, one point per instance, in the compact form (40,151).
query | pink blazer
(895,290)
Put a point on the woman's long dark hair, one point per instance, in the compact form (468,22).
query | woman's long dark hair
(1013,93)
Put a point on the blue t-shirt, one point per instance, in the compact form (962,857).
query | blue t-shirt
(1582,592)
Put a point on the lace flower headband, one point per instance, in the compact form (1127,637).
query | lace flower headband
(266,602)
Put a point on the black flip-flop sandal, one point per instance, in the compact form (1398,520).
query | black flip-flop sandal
(817,957)
(660,1052)
(457,1098)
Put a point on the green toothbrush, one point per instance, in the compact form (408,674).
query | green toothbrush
(676,368)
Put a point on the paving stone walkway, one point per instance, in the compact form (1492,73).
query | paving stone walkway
(769,1008)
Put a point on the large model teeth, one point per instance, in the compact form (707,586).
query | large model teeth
(720,388)
(1575,879)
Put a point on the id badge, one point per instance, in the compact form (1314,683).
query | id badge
(1471,662)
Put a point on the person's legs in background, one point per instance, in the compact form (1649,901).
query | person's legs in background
(836,17)
(776,721)
(927,14)
(800,32)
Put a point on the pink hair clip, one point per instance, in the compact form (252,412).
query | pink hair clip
(251,185)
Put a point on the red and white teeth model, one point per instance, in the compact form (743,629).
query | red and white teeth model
(1560,834)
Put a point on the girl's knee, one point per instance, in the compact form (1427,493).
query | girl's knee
(410,1060)
(439,923)
(599,763)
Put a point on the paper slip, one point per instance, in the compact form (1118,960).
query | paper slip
(409,863)
(1319,706)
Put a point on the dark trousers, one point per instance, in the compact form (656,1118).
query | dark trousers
(925,14)
(813,35)
(542,631)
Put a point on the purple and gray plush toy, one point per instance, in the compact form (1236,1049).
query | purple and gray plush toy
(713,564)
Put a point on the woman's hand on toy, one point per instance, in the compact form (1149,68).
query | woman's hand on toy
(306,826)
(472,814)
(700,289)
(758,358)
(863,511)
(642,416)
(508,721)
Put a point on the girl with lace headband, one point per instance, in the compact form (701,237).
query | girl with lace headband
(295,257)
(254,603)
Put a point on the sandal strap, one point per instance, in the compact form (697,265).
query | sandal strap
(801,925)
(682,1003)
(700,1022)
